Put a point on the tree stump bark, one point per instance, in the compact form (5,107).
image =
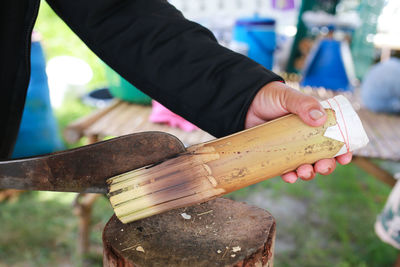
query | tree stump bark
(220,232)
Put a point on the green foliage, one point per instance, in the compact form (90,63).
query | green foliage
(58,39)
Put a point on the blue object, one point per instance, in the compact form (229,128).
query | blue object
(259,35)
(38,133)
(325,66)
(380,89)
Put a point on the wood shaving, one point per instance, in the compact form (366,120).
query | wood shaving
(186,216)
(140,248)
(236,249)
(226,250)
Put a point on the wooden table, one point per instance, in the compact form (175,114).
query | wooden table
(121,118)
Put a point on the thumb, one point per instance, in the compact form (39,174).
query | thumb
(306,107)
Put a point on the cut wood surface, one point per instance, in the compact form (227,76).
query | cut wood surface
(221,232)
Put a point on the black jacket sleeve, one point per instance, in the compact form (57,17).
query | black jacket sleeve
(173,60)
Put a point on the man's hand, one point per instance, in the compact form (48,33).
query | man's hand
(276,99)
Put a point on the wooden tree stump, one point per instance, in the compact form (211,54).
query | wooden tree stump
(220,232)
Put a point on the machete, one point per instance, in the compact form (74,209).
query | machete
(86,169)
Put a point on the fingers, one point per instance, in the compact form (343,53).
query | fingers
(289,177)
(325,166)
(306,107)
(276,99)
(305,172)
(345,158)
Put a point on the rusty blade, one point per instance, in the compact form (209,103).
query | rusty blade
(87,168)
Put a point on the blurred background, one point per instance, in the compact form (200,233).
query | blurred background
(324,44)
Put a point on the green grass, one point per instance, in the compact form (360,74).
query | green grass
(345,204)
(40,229)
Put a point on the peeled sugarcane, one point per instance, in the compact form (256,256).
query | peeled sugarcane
(206,171)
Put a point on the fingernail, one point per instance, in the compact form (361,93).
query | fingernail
(326,171)
(292,180)
(307,177)
(316,114)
